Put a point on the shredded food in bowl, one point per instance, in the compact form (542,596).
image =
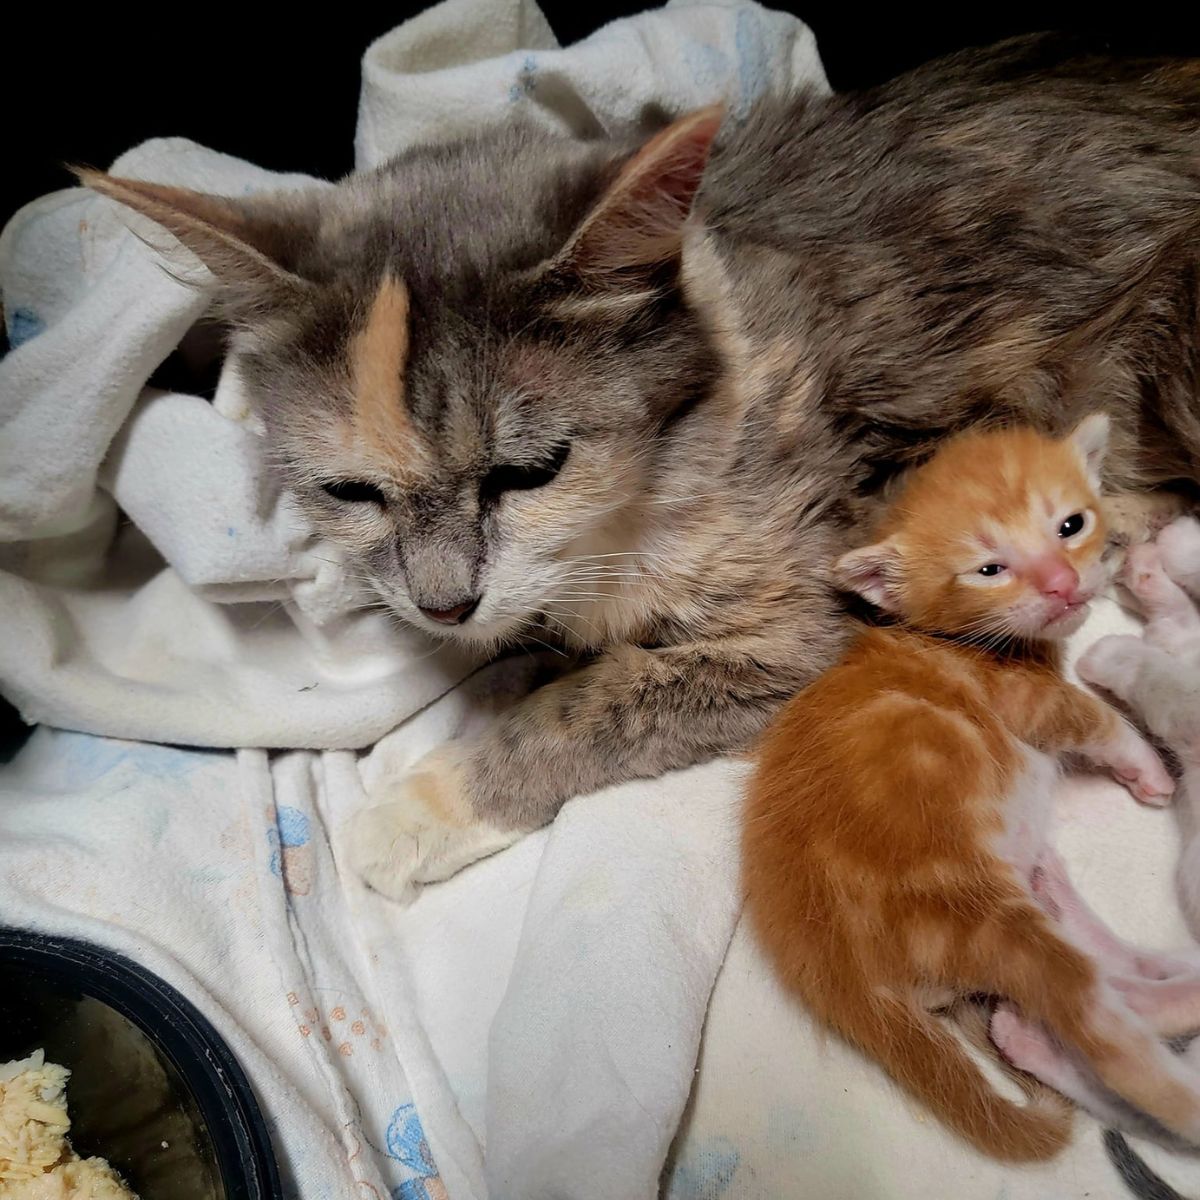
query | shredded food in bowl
(36,1158)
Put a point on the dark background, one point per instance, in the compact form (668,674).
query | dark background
(283,91)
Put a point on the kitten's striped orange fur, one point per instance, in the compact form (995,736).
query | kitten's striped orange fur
(898,810)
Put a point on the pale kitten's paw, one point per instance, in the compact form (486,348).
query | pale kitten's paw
(1179,546)
(423,832)
(1112,662)
(1144,576)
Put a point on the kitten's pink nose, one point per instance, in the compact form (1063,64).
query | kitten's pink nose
(1054,577)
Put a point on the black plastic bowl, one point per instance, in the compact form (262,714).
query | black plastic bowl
(153,1088)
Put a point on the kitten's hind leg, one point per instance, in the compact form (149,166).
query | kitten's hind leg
(1034,966)
(1031,1048)
(1122,963)
(1074,918)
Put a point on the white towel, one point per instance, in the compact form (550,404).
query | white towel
(471,63)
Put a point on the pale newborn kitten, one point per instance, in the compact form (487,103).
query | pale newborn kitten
(1158,674)
(1158,677)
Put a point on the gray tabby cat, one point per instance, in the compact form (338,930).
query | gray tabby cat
(633,399)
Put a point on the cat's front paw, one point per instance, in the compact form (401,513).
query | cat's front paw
(420,828)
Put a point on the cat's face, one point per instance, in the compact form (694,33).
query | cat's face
(470,363)
(479,468)
(999,535)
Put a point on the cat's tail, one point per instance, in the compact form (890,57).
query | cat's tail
(1052,982)
(926,1059)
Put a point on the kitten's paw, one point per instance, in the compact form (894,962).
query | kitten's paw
(1024,1044)
(1144,576)
(1179,547)
(422,832)
(1112,662)
(1140,769)
(1031,1048)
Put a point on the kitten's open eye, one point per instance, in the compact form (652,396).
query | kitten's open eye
(1072,525)
(354,491)
(511,478)
(991,569)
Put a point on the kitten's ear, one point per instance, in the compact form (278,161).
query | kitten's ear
(873,572)
(639,222)
(1090,440)
(243,243)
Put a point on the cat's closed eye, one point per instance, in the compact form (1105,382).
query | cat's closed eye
(509,477)
(354,491)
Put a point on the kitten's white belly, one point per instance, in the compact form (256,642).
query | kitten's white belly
(1027,812)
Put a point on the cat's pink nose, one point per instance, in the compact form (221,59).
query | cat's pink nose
(1054,577)
(455,615)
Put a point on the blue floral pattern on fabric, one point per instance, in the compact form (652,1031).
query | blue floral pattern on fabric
(406,1143)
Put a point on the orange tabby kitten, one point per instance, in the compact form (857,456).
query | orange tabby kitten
(895,838)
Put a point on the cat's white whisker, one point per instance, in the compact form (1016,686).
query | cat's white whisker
(527,636)
(567,629)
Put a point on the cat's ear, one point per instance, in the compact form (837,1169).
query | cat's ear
(874,572)
(1090,441)
(638,224)
(243,243)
